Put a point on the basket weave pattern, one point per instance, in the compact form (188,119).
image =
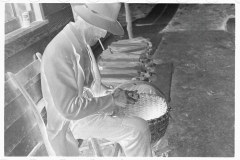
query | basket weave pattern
(148,106)
(152,108)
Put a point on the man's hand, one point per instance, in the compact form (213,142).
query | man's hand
(122,98)
(110,89)
(107,89)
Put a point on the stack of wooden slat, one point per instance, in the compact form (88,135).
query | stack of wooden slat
(120,62)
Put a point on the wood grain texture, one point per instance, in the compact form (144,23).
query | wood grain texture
(120,57)
(12,92)
(37,115)
(24,57)
(21,133)
(41,151)
(25,41)
(118,64)
(25,146)
(35,149)
(21,59)
(50,8)
(12,25)
(16,108)
(56,20)
(19,80)
(23,31)
(114,70)
(121,64)
(115,80)
(17,131)
(28,72)
(59,19)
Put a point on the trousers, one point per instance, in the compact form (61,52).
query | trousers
(132,133)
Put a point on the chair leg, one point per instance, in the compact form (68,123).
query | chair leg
(116,150)
(96,147)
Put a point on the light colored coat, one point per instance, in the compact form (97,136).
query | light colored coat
(68,68)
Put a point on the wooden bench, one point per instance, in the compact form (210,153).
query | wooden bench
(25,116)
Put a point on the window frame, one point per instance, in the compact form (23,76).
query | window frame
(14,23)
(38,22)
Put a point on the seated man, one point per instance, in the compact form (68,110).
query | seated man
(72,89)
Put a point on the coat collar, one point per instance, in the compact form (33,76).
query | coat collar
(77,34)
(75,37)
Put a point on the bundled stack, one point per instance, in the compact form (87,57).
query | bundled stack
(135,46)
(120,62)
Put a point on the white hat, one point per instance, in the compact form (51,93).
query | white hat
(102,15)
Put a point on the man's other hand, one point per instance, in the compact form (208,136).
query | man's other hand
(121,97)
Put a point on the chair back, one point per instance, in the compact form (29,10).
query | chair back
(20,80)
(25,78)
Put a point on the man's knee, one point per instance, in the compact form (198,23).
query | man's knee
(136,123)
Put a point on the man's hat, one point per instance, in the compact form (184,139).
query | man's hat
(102,15)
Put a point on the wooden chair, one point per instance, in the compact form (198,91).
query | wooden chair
(20,79)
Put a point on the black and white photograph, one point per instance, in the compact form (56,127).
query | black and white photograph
(119,79)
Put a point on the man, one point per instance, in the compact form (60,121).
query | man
(76,101)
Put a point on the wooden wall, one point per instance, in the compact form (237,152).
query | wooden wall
(21,133)
(19,52)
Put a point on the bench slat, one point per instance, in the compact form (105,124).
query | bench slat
(16,108)
(28,72)
(39,150)
(35,149)
(18,130)
(27,144)
(20,84)
(11,91)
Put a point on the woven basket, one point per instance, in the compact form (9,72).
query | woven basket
(151,106)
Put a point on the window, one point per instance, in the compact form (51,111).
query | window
(21,15)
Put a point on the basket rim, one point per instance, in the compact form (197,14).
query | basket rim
(143,82)
(167,114)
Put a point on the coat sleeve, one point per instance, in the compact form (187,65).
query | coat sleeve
(66,94)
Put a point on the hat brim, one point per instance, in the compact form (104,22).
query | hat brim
(113,27)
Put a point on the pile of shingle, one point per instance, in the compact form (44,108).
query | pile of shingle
(126,60)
